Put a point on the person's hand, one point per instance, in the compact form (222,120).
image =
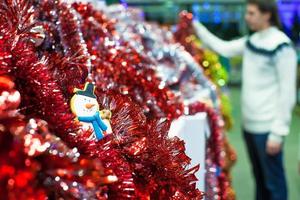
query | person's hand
(273,147)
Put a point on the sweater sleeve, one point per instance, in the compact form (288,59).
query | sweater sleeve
(224,48)
(286,67)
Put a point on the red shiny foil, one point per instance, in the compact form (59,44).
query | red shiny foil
(138,160)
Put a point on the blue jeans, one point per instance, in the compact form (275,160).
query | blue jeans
(268,170)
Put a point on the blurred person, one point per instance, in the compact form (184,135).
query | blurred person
(268,92)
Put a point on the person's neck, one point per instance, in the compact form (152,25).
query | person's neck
(265,27)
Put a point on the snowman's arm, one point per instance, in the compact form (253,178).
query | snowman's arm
(85,119)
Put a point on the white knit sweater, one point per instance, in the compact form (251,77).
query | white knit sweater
(268,76)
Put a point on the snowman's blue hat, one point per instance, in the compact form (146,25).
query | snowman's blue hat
(88,90)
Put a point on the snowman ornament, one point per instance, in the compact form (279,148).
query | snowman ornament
(85,106)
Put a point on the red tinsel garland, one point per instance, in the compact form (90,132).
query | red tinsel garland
(138,139)
(184,31)
(216,188)
(73,44)
(35,164)
(163,173)
(42,92)
(215,145)
(119,67)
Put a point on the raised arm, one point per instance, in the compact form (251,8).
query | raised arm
(224,48)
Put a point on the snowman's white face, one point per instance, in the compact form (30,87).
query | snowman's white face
(84,106)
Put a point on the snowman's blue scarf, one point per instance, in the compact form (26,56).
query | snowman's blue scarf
(97,122)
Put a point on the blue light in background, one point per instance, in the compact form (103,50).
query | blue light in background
(204,12)
(199,13)
(217,16)
(287,12)
(195,11)
(124,3)
(206,5)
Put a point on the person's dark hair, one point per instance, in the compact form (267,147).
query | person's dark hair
(268,6)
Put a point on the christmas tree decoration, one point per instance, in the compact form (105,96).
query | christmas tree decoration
(85,106)
(36,164)
(175,66)
(140,140)
(74,46)
(121,68)
(185,36)
(42,94)
(46,47)
(217,163)
(184,76)
(108,138)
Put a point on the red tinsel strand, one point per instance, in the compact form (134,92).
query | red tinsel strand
(5,57)
(21,175)
(10,99)
(125,188)
(120,67)
(215,143)
(17,174)
(175,160)
(73,43)
(36,164)
(9,30)
(159,163)
(104,152)
(48,98)
(11,174)
(108,157)
(184,31)
(117,63)
(87,11)
(216,128)
(26,66)
(79,177)
(69,61)
(38,82)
